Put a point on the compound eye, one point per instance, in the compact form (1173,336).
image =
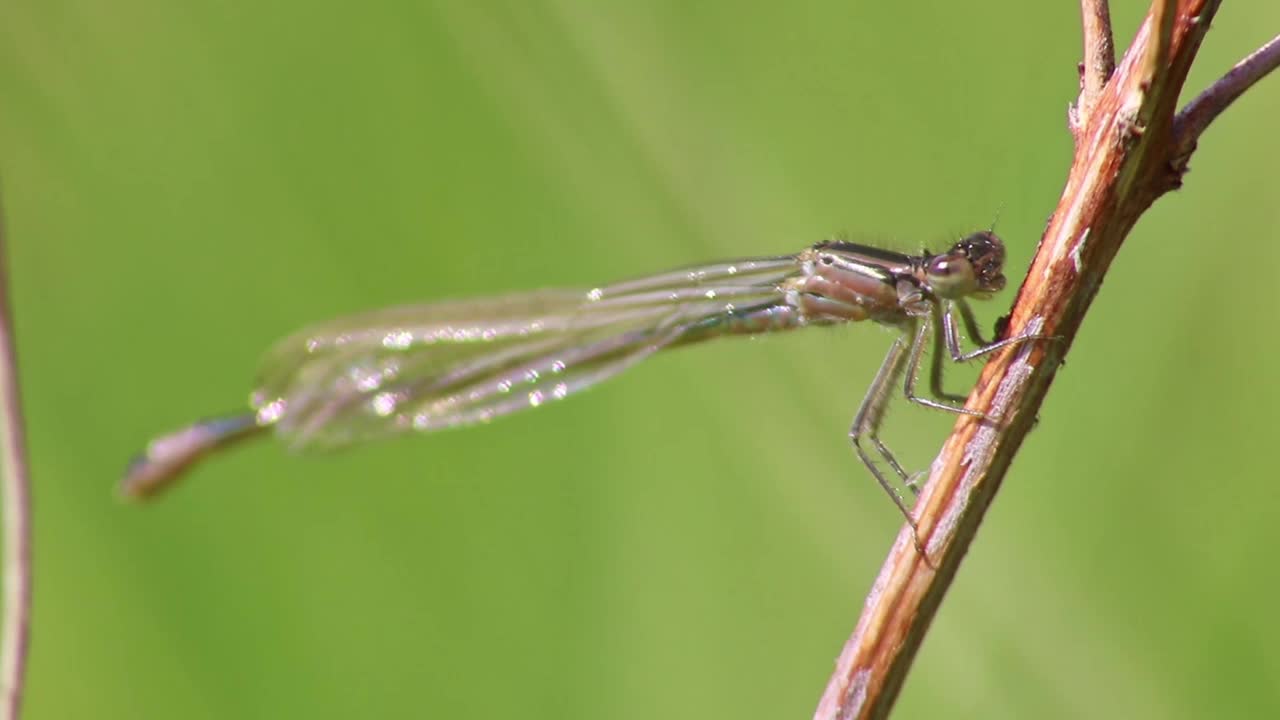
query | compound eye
(941,267)
(950,276)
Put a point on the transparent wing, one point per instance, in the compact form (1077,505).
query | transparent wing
(451,364)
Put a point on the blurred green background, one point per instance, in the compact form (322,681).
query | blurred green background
(185,182)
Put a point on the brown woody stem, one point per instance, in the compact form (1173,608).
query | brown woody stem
(1127,155)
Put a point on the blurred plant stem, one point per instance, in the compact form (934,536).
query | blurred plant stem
(17,510)
(1131,147)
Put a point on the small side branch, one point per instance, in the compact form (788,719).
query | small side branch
(1099,60)
(1196,117)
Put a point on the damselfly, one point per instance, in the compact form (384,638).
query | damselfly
(453,364)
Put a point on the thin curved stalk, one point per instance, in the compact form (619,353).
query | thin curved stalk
(17,512)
